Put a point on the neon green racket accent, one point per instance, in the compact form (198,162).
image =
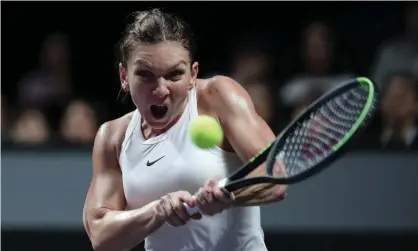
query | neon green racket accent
(261,151)
(363,114)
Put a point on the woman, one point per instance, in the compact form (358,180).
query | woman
(145,166)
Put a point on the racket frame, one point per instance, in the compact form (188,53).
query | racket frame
(236,181)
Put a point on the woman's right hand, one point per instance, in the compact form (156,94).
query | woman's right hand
(171,208)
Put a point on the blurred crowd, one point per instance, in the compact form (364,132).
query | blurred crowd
(46,109)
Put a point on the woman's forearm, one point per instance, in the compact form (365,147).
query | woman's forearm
(123,230)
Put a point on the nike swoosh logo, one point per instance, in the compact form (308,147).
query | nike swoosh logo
(153,162)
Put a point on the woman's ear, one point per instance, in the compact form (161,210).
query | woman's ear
(195,71)
(123,76)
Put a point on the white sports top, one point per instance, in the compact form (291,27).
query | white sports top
(180,165)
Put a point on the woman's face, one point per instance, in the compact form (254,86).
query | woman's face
(159,77)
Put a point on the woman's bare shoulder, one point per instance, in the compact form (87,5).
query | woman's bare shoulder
(112,132)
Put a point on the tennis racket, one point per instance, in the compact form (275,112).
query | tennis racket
(312,141)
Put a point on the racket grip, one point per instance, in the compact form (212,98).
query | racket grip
(191,210)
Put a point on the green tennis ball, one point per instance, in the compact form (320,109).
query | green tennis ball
(205,132)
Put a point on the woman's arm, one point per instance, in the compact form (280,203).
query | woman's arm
(247,133)
(108,226)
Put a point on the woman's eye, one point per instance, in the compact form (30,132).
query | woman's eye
(175,75)
(144,74)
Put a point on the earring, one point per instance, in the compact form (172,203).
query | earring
(125,86)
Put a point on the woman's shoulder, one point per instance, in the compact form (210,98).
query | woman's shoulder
(211,90)
(112,132)
(216,85)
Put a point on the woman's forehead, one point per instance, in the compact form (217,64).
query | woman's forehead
(161,55)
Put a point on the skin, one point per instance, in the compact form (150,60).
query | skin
(163,74)
(399,105)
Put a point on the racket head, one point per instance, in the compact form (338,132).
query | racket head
(239,179)
(360,95)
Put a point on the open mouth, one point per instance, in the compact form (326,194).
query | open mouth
(158,111)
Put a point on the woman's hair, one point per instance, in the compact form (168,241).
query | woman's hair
(152,27)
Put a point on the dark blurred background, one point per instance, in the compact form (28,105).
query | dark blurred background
(59,83)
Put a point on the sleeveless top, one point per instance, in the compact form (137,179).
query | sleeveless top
(170,162)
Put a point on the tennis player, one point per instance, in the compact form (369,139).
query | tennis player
(145,165)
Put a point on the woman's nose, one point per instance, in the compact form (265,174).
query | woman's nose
(161,90)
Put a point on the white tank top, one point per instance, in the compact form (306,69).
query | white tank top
(177,164)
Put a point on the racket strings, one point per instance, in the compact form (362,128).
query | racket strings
(313,139)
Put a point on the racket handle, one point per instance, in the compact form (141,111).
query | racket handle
(191,210)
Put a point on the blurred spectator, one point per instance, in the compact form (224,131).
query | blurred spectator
(318,73)
(400,112)
(30,128)
(79,125)
(399,54)
(263,102)
(48,87)
(4,117)
(251,67)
